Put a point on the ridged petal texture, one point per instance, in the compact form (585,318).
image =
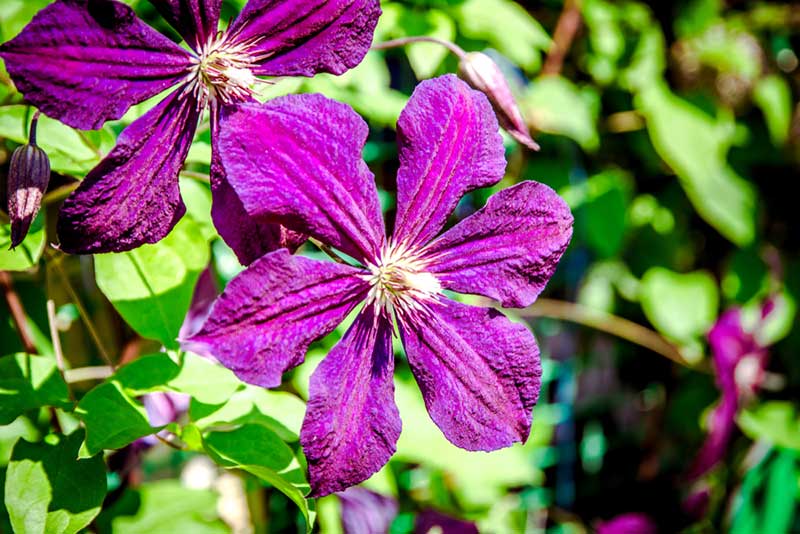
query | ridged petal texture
(195,20)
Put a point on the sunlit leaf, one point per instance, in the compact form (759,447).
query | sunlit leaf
(28,382)
(27,254)
(774,96)
(555,105)
(112,418)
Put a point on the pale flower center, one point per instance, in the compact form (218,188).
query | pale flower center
(223,72)
(399,281)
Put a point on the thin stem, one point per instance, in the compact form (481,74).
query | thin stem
(32,130)
(396,43)
(329,251)
(17,312)
(606,322)
(199,176)
(169,443)
(81,310)
(89,144)
(566,28)
(56,339)
(86,374)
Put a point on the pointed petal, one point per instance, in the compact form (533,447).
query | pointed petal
(352,423)
(721,425)
(272,311)
(479,373)
(85,62)
(449,145)
(248,238)
(306,37)
(507,250)
(205,293)
(296,160)
(195,20)
(132,196)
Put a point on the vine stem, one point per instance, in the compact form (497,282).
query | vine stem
(17,312)
(85,374)
(56,339)
(396,43)
(569,22)
(328,250)
(606,322)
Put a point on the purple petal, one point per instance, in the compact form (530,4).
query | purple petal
(296,160)
(132,196)
(366,512)
(479,373)
(305,37)
(509,249)
(205,293)
(195,20)
(430,521)
(631,523)
(449,145)
(248,238)
(722,423)
(270,313)
(352,424)
(85,62)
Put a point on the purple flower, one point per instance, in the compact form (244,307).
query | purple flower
(430,521)
(631,523)
(739,360)
(87,61)
(366,512)
(297,160)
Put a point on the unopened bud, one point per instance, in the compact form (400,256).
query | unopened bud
(28,175)
(482,73)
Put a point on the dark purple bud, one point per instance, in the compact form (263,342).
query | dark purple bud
(28,175)
(482,73)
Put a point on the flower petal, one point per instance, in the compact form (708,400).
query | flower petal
(268,315)
(248,238)
(352,423)
(296,160)
(195,20)
(305,37)
(367,512)
(449,145)
(507,250)
(132,196)
(85,62)
(721,425)
(479,373)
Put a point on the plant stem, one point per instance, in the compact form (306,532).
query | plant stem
(199,176)
(566,28)
(85,374)
(56,339)
(606,322)
(396,43)
(329,251)
(17,312)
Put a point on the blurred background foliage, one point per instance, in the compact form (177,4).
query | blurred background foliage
(673,131)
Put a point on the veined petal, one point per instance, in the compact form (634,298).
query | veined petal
(352,423)
(305,37)
(248,238)
(272,311)
(296,160)
(449,145)
(195,20)
(479,373)
(507,250)
(85,62)
(132,196)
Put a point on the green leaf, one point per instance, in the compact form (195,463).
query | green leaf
(27,254)
(506,26)
(680,306)
(29,382)
(112,418)
(152,286)
(260,451)
(604,212)
(70,151)
(48,489)
(776,422)
(205,381)
(399,21)
(780,504)
(197,197)
(556,105)
(774,96)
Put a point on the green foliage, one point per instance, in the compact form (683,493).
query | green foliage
(776,422)
(27,254)
(556,105)
(49,490)
(29,382)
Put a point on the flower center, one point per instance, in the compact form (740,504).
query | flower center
(222,73)
(399,280)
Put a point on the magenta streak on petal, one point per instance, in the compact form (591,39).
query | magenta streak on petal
(300,165)
(132,196)
(449,145)
(479,373)
(509,249)
(84,63)
(195,20)
(352,424)
(268,315)
(306,37)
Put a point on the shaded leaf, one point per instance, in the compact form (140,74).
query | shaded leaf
(27,254)
(29,382)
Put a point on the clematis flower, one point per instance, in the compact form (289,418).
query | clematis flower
(630,523)
(739,358)
(297,160)
(366,512)
(85,62)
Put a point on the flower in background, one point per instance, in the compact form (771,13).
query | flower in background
(162,409)
(739,358)
(366,512)
(631,523)
(297,160)
(85,62)
(432,522)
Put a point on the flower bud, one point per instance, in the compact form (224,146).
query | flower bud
(28,175)
(482,73)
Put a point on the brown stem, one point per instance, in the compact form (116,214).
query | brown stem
(605,322)
(566,28)
(329,251)
(17,313)
(396,43)
(86,374)
(199,176)
(56,339)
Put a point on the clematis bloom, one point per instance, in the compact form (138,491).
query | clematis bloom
(85,62)
(297,160)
